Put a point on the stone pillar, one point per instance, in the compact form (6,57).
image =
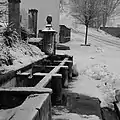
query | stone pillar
(64,72)
(14,14)
(32,21)
(49,38)
(56,85)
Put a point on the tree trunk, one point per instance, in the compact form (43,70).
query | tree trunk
(104,20)
(86,34)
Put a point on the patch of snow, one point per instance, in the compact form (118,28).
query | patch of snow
(73,116)
(61,113)
(99,49)
(97,78)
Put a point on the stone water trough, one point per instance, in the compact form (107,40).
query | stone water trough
(28,93)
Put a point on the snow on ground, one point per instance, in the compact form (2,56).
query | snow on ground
(98,64)
(73,116)
(63,114)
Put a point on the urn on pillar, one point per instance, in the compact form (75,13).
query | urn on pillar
(49,38)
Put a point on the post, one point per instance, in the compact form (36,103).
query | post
(33,21)
(69,63)
(14,14)
(56,85)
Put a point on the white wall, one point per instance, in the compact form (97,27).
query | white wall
(44,7)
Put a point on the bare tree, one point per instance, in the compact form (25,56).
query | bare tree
(86,11)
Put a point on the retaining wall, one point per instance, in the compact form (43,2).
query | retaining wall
(115,31)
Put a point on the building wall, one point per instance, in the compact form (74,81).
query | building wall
(24,17)
(44,7)
(114,21)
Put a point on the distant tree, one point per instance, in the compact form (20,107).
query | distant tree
(109,9)
(86,11)
(3,11)
(62,4)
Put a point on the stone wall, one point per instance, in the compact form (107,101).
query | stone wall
(115,31)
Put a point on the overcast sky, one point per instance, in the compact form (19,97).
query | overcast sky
(44,7)
(30,3)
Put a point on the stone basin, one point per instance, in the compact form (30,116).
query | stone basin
(28,94)
(35,106)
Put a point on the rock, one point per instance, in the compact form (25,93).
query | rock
(92,57)
(74,71)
